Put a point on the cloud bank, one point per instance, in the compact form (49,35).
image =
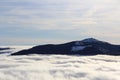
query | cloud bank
(59,67)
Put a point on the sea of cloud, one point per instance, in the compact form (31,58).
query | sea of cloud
(59,67)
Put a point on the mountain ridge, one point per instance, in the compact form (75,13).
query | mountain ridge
(89,46)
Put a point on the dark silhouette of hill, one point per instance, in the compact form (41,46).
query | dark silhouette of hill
(88,46)
(4,49)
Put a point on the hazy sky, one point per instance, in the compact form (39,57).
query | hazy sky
(56,21)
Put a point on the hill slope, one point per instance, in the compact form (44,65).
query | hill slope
(88,46)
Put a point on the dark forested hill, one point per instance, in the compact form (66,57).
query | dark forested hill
(88,46)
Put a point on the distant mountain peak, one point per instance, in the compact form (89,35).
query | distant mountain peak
(91,40)
(89,46)
(88,41)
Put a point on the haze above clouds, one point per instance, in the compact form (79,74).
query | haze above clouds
(51,21)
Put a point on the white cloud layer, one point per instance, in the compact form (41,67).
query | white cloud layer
(59,67)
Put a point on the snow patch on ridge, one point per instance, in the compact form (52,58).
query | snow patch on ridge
(78,43)
(77,48)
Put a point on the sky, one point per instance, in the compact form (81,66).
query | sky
(33,22)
